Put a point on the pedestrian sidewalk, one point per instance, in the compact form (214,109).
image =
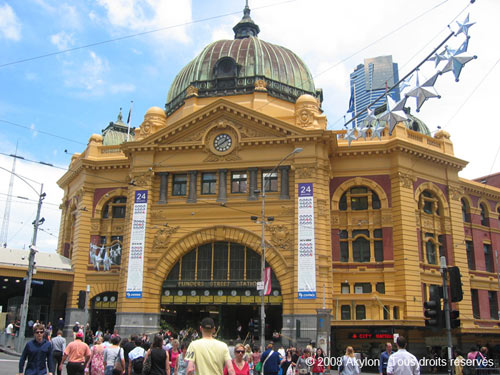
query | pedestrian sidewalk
(9,351)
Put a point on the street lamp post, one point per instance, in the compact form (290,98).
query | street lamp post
(263,246)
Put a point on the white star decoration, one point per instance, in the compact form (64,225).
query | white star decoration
(437,58)
(464,27)
(351,135)
(378,130)
(421,93)
(456,63)
(394,113)
(362,132)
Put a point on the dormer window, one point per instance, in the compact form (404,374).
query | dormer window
(226,67)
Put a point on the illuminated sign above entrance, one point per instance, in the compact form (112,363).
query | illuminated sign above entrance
(367,336)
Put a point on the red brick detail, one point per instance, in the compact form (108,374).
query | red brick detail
(388,243)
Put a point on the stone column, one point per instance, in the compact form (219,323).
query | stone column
(253,184)
(284,185)
(192,187)
(222,196)
(163,187)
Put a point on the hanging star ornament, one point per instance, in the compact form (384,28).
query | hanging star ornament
(438,57)
(362,132)
(456,63)
(378,131)
(406,83)
(464,27)
(394,113)
(421,93)
(351,135)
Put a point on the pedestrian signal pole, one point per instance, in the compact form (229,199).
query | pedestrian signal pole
(446,306)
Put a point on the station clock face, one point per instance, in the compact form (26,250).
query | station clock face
(223,142)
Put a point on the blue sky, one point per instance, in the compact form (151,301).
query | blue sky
(78,93)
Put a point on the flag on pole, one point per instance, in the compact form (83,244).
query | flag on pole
(128,119)
(267,281)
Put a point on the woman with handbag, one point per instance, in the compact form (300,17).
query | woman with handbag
(349,365)
(114,357)
(318,364)
(160,364)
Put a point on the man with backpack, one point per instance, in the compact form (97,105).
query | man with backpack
(136,358)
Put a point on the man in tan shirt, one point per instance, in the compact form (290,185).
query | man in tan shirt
(208,354)
(78,354)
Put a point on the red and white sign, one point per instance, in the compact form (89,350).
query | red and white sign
(267,281)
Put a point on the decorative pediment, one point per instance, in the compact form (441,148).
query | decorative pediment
(246,124)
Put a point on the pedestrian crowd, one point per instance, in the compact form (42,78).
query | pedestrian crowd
(188,354)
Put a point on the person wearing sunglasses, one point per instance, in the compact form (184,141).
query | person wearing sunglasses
(38,352)
(239,364)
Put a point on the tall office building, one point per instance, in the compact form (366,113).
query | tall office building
(368,81)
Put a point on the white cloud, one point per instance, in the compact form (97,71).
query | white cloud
(10,27)
(121,88)
(145,15)
(62,40)
(23,211)
(90,75)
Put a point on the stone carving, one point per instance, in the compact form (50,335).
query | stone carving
(143,179)
(118,228)
(308,114)
(387,220)
(94,227)
(304,172)
(280,236)
(250,133)
(455,192)
(260,85)
(197,136)
(215,158)
(442,134)
(191,91)
(162,237)
(406,180)
(154,120)
(335,220)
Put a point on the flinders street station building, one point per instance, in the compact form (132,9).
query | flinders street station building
(165,224)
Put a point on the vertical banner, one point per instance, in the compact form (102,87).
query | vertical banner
(267,281)
(137,239)
(307,258)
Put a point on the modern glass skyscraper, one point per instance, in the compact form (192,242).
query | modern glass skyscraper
(368,81)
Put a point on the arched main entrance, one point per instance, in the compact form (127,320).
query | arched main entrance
(218,279)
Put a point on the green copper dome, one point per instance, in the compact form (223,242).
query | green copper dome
(231,67)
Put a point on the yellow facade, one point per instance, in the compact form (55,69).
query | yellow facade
(375,265)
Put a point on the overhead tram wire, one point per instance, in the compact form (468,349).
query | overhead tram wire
(138,34)
(41,132)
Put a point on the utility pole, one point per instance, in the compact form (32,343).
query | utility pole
(446,303)
(31,266)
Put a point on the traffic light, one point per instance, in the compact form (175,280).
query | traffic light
(456,293)
(256,327)
(81,299)
(454,321)
(433,312)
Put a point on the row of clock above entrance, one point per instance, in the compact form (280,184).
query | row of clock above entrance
(215,183)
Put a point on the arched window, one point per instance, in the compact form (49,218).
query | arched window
(484,215)
(365,244)
(359,198)
(465,211)
(429,203)
(116,206)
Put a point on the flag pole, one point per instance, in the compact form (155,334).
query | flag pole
(128,120)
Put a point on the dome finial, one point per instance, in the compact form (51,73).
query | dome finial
(120,117)
(246,27)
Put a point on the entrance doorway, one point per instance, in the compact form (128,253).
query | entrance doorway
(103,311)
(219,279)
(227,319)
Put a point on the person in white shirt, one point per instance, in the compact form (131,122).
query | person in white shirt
(402,362)
(137,353)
